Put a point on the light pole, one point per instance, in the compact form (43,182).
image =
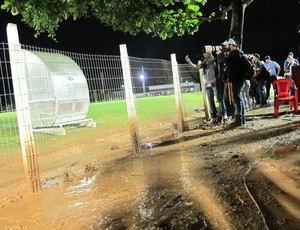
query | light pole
(142,77)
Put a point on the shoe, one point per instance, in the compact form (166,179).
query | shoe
(212,121)
(235,124)
(263,105)
(224,120)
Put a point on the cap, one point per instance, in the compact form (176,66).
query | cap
(229,42)
(224,43)
(267,57)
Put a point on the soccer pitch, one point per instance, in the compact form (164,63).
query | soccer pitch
(111,114)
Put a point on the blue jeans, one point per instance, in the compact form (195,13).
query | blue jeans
(211,92)
(261,88)
(246,96)
(221,95)
(237,94)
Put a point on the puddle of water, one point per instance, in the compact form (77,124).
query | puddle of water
(86,185)
(128,191)
(119,188)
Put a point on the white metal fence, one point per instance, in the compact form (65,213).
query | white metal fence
(105,135)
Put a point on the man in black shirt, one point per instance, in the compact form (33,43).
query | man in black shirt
(236,78)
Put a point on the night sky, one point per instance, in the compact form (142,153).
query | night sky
(270,29)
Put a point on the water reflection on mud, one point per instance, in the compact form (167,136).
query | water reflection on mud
(149,192)
(86,185)
(160,190)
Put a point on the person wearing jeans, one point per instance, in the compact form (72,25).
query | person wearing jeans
(221,84)
(210,68)
(237,94)
(260,81)
(211,92)
(236,79)
(246,95)
(274,68)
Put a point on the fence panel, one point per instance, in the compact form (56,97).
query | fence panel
(153,86)
(191,95)
(10,149)
(103,134)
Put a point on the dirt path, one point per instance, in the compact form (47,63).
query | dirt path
(206,178)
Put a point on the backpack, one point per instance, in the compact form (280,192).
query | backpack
(247,68)
(264,74)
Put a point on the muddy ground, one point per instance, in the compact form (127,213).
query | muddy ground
(209,177)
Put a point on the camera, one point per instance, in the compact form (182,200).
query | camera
(209,48)
(249,56)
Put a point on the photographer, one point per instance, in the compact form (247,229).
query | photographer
(209,66)
(213,83)
(222,91)
(237,79)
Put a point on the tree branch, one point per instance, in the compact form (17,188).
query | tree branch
(224,12)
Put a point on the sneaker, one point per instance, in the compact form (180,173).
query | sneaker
(224,120)
(212,121)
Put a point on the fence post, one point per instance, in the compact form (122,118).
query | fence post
(176,82)
(29,157)
(205,100)
(134,133)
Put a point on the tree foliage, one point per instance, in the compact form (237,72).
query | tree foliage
(163,18)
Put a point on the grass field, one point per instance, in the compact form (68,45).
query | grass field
(147,108)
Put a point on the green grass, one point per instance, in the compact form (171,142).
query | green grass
(8,127)
(108,115)
(114,113)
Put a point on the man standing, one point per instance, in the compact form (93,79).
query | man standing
(274,69)
(209,66)
(259,79)
(222,86)
(237,79)
(286,62)
(291,63)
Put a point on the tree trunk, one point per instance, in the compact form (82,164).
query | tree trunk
(237,21)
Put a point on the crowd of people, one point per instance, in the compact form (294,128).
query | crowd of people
(226,81)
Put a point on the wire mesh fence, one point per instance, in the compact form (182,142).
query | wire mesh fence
(10,158)
(81,107)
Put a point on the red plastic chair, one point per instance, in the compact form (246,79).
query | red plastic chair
(285,90)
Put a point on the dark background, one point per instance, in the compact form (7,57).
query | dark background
(270,29)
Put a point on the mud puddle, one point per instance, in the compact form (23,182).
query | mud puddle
(155,192)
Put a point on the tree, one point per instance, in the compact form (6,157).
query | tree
(163,18)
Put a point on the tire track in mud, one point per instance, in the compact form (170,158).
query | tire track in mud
(254,134)
(213,174)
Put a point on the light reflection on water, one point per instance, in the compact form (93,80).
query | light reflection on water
(86,185)
(125,184)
